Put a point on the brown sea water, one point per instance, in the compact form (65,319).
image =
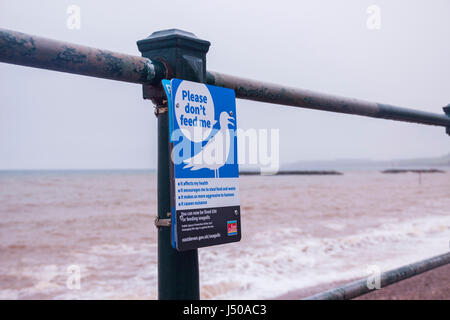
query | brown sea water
(298,231)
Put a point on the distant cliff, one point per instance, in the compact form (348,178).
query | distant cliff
(442,162)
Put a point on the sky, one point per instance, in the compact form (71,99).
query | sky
(53,120)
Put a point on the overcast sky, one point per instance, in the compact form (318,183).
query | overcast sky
(53,120)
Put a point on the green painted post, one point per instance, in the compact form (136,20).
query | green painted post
(184,57)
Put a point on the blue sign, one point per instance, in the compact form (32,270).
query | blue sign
(204,168)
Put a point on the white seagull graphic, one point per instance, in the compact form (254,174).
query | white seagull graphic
(213,149)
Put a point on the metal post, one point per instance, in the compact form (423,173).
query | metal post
(447,112)
(184,57)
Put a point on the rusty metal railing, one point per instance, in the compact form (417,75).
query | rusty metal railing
(175,53)
(360,287)
(277,94)
(27,50)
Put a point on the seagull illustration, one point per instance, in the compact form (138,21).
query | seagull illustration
(214,148)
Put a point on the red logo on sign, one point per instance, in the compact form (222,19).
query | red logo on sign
(232,227)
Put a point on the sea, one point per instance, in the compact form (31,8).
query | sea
(91,234)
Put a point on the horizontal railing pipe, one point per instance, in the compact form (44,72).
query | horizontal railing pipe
(277,94)
(22,49)
(32,51)
(360,287)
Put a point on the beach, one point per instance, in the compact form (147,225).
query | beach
(300,235)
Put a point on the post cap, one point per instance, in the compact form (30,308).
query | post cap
(447,109)
(173,38)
